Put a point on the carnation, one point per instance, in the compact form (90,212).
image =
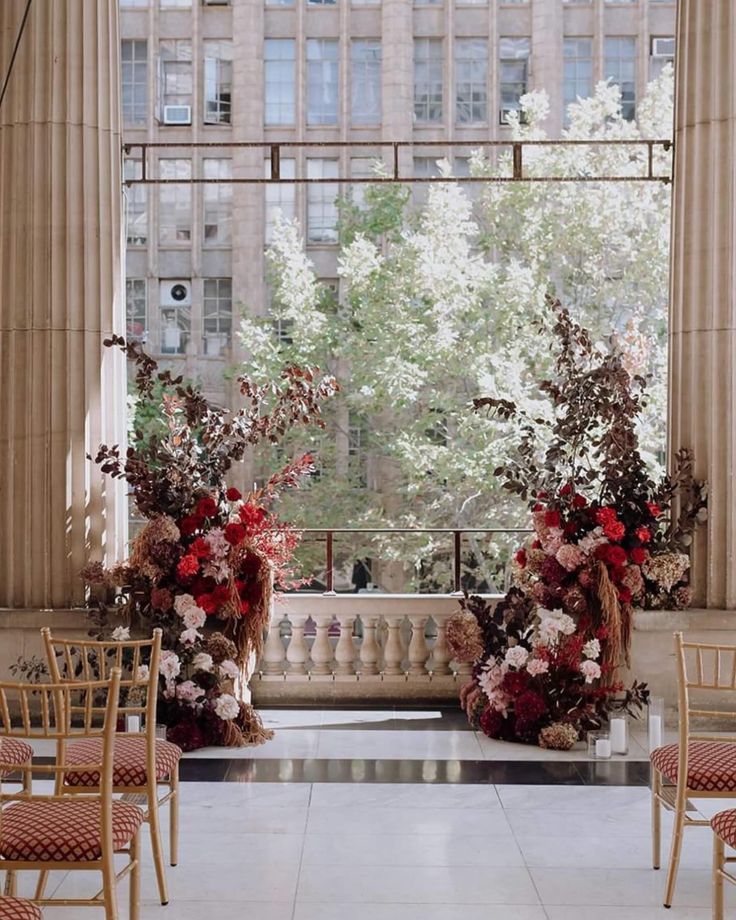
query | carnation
(183,602)
(235,533)
(516,656)
(570,556)
(217,543)
(121,633)
(591,670)
(194,617)
(187,566)
(233,494)
(229,669)
(203,662)
(592,649)
(227,707)
(552,623)
(190,636)
(189,692)
(537,666)
(552,571)
(169,665)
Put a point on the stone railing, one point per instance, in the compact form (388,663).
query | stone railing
(359,647)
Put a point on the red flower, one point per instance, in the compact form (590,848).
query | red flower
(606,515)
(515,682)
(536,544)
(251,515)
(566,489)
(521,557)
(189,524)
(624,594)
(614,530)
(208,603)
(207,507)
(613,555)
(541,495)
(200,548)
(221,594)
(244,606)
(537,507)
(569,528)
(638,555)
(552,518)
(654,509)
(552,572)
(233,494)
(579,501)
(644,534)
(235,533)
(188,566)
(530,707)
(491,722)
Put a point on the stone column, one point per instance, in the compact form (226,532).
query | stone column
(702,378)
(60,295)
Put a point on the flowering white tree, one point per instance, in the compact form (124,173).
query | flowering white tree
(442,303)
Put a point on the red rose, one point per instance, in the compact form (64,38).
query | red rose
(207,507)
(566,489)
(579,501)
(552,518)
(208,603)
(187,567)
(644,534)
(638,555)
(235,533)
(614,530)
(189,524)
(521,557)
(538,507)
(654,509)
(200,548)
(233,494)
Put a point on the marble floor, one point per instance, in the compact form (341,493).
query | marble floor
(420,846)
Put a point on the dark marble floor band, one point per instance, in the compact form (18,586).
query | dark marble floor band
(534,773)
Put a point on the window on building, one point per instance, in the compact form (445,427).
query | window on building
(135,308)
(366,2)
(360,168)
(427,2)
(322,81)
(218,81)
(321,204)
(514,73)
(662,53)
(175,62)
(578,69)
(283,330)
(279,2)
(280,197)
(365,81)
(217,315)
(136,3)
(428,68)
(176,4)
(321,2)
(620,67)
(134,64)
(175,203)
(471,80)
(424,168)
(175,300)
(357,453)
(218,202)
(136,205)
(279,80)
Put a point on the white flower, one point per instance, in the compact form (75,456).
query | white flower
(143,672)
(194,617)
(230,669)
(169,666)
(592,649)
(589,542)
(552,623)
(183,602)
(121,633)
(591,670)
(189,692)
(227,707)
(190,636)
(203,662)
(516,657)
(537,666)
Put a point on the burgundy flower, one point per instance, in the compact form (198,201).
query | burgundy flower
(579,501)
(552,572)
(233,494)
(514,682)
(638,555)
(530,707)
(521,557)
(162,599)
(207,507)
(491,722)
(552,518)
(235,533)
(187,735)
(190,524)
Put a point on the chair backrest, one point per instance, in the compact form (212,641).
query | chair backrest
(72,710)
(706,669)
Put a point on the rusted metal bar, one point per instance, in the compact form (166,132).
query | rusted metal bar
(517,161)
(330,564)
(396,160)
(275,162)
(456,559)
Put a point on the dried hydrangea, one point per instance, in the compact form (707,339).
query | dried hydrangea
(95,573)
(465,637)
(666,569)
(221,648)
(560,736)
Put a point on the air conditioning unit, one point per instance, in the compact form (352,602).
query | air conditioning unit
(177,114)
(663,47)
(504,116)
(175,293)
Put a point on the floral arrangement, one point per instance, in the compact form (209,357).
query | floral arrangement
(605,538)
(203,565)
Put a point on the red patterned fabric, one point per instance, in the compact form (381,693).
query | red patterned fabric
(14,751)
(711,765)
(724,824)
(14,909)
(130,761)
(54,831)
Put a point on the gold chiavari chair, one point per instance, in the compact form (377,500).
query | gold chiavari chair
(702,764)
(142,762)
(19,909)
(44,832)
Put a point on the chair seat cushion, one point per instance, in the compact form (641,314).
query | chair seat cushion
(129,767)
(16,909)
(711,765)
(63,829)
(724,825)
(14,751)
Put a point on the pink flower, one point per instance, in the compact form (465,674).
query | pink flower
(537,666)
(591,670)
(570,556)
(189,692)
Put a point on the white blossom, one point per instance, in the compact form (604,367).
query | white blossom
(227,707)
(169,665)
(202,661)
(121,633)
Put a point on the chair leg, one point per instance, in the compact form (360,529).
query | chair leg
(135,876)
(43,876)
(656,818)
(154,823)
(174,818)
(109,888)
(718,863)
(675,851)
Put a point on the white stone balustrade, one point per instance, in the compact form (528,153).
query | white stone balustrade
(359,646)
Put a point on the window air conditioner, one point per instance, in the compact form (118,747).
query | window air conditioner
(663,47)
(177,114)
(175,293)
(504,116)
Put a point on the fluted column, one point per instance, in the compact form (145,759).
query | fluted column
(702,412)
(60,295)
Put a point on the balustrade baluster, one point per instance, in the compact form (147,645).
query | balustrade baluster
(394,651)
(274,651)
(369,651)
(322,655)
(440,651)
(297,653)
(418,650)
(345,648)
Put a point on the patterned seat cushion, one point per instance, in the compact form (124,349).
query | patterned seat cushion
(130,761)
(15,909)
(724,824)
(711,765)
(14,751)
(63,829)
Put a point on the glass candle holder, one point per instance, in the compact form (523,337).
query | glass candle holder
(599,745)
(655,722)
(618,726)
(160,731)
